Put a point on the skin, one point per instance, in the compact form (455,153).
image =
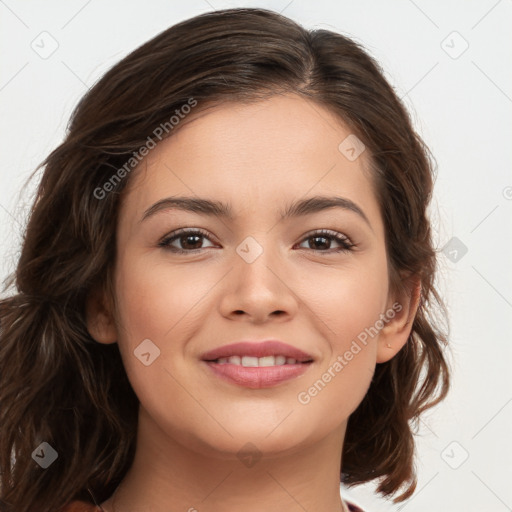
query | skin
(259,158)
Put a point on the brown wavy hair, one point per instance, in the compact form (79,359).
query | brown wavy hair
(59,386)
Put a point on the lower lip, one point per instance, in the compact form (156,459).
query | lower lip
(258,377)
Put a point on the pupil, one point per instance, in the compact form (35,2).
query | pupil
(187,238)
(321,238)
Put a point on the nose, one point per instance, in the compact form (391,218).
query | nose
(258,291)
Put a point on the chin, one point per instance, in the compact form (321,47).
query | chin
(269,439)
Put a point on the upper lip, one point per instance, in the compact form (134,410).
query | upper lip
(257,349)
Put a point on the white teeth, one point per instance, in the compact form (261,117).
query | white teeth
(267,361)
(250,361)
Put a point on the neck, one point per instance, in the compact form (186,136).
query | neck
(166,474)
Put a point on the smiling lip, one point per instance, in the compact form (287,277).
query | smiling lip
(257,349)
(258,376)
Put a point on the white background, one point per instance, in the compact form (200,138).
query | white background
(461,104)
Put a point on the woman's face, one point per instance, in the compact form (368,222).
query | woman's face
(250,276)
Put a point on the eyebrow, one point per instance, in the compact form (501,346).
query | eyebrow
(219,209)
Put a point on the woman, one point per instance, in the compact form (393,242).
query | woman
(225,293)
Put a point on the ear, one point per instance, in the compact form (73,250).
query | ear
(398,321)
(99,317)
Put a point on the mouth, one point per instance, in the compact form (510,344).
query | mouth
(256,362)
(257,365)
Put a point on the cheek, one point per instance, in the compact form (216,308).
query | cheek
(157,301)
(356,312)
(160,304)
(346,305)
(346,300)
(343,377)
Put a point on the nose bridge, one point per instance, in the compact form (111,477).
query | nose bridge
(256,261)
(258,287)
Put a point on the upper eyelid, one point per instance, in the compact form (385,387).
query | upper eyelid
(183,231)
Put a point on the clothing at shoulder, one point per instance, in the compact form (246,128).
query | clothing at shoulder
(80,506)
(353,508)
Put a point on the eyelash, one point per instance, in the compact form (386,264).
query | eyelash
(346,245)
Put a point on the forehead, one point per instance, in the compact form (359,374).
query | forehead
(261,153)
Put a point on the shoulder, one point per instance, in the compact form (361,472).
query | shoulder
(80,506)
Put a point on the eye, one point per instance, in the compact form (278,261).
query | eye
(323,238)
(190,240)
